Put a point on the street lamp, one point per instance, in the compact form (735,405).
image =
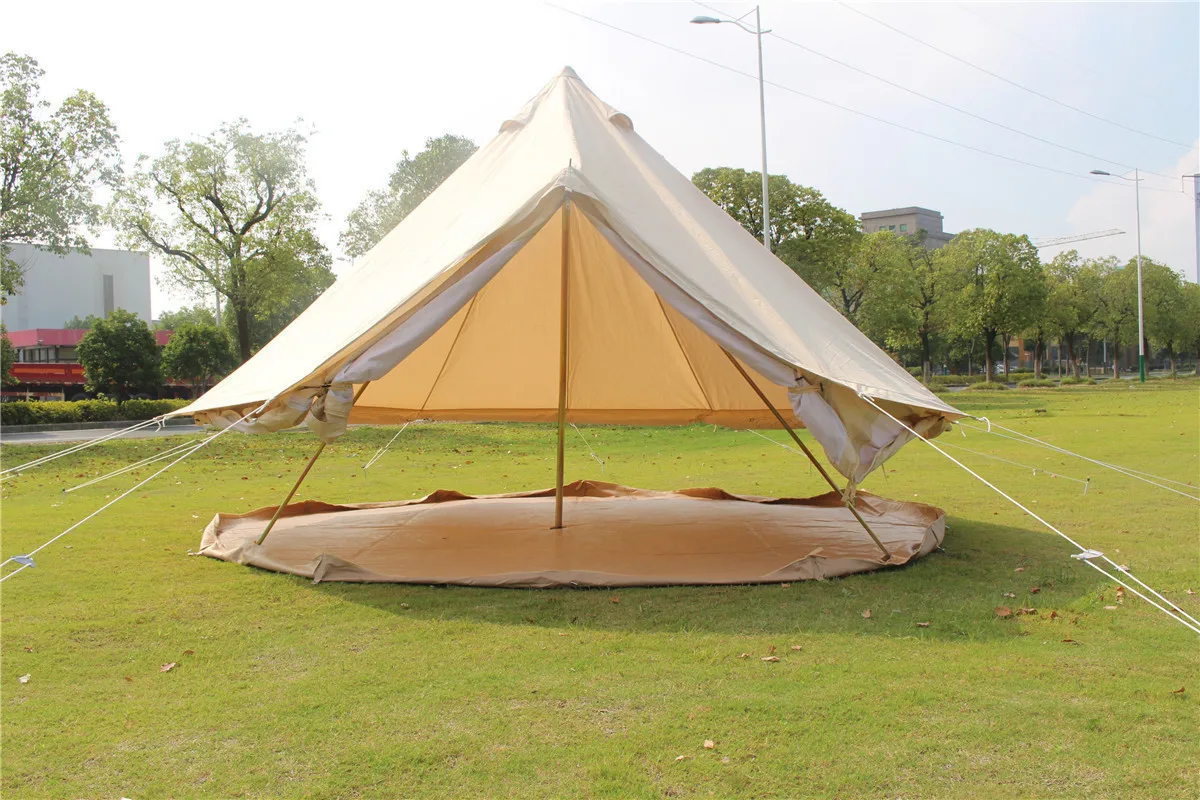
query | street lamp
(1137,204)
(1196,189)
(758,32)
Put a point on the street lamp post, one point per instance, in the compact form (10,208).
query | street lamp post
(758,32)
(1137,205)
(1196,191)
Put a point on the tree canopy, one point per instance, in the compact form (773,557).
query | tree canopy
(8,356)
(120,356)
(187,315)
(413,179)
(50,162)
(234,212)
(198,354)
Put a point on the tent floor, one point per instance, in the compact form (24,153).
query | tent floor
(612,536)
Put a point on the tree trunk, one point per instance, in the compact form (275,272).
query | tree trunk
(242,317)
(1116,365)
(1004,340)
(926,366)
(989,341)
(1071,359)
(1171,358)
(1037,360)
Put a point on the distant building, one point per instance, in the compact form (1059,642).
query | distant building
(907,221)
(47,365)
(58,288)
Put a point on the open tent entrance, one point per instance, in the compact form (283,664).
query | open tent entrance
(567,330)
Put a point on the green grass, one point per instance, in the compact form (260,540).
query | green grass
(288,689)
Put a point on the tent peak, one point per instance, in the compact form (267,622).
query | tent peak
(567,72)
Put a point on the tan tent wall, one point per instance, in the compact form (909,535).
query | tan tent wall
(632,360)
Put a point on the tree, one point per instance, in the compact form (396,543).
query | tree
(233,212)
(120,356)
(1116,317)
(1191,320)
(995,287)
(85,324)
(50,161)
(1165,309)
(870,286)
(1072,302)
(198,354)
(8,356)
(413,179)
(188,315)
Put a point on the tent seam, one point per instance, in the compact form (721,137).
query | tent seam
(687,359)
(450,352)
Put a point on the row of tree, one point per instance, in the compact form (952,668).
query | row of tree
(980,291)
(233,214)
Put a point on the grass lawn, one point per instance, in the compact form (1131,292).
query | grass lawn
(287,689)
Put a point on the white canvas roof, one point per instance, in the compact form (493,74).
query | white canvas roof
(455,314)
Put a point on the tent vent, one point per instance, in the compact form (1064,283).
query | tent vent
(621,121)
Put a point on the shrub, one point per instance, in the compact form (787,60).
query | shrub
(986,386)
(916,372)
(56,412)
(1037,384)
(1071,380)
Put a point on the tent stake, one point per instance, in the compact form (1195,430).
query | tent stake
(800,443)
(303,475)
(562,366)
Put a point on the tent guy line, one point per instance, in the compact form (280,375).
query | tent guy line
(12,472)
(26,560)
(1085,554)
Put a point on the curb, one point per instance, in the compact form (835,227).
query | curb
(88,426)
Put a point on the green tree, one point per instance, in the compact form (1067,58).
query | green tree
(198,354)
(1072,302)
(233,212)
(8,356)
(995,287)
(188,315)
(810,234)
(869,286)
(1116,316)
(1191,320)
(413,179)
(50,161)
(120,356)
(1165,309)
(85,324)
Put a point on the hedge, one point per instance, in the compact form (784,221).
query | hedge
(1070,380)
(34,413)
(986,386)
(1037,384)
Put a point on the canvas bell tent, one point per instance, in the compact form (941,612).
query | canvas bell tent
(567,273)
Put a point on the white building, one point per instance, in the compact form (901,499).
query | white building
(58,288)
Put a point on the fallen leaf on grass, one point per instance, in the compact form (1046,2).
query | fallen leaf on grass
(170,665)
(771,650)
(1019,569)
(1034,589)
(866,614)
(725,760)
(1069,641)
(1180,690)
(129,679)
(615,600)
(1189,591)
(1026,610)
(28,649)
(681,758)
(1110,608)
(24,679)
(744,655)
(189,652)
(770,658)
(922,624)
(797,647)
(784,585)
(1120,594)
(709,744)
(1003,611)
(1053,615)
(1010,594)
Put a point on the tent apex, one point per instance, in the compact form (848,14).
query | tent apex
(567,72)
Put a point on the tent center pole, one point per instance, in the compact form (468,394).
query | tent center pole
(562,364)
(850,504)
(303,474)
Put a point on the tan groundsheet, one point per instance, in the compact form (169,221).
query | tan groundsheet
(613,536)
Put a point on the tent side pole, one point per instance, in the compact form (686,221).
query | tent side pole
(303,474)
(804,448)
(562,365)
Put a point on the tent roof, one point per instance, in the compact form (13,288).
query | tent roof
(567,142)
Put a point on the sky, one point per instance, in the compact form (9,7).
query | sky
(371,80)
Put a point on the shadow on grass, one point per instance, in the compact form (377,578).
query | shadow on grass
(955,590)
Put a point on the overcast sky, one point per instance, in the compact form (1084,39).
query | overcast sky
(374,80)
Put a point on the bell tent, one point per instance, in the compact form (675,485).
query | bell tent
(567,273)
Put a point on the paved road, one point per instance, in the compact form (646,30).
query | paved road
(67,437)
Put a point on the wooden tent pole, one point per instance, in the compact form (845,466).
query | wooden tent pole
(803,447)
(303,475)
(562,366)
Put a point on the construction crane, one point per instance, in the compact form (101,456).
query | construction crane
(1055,242)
